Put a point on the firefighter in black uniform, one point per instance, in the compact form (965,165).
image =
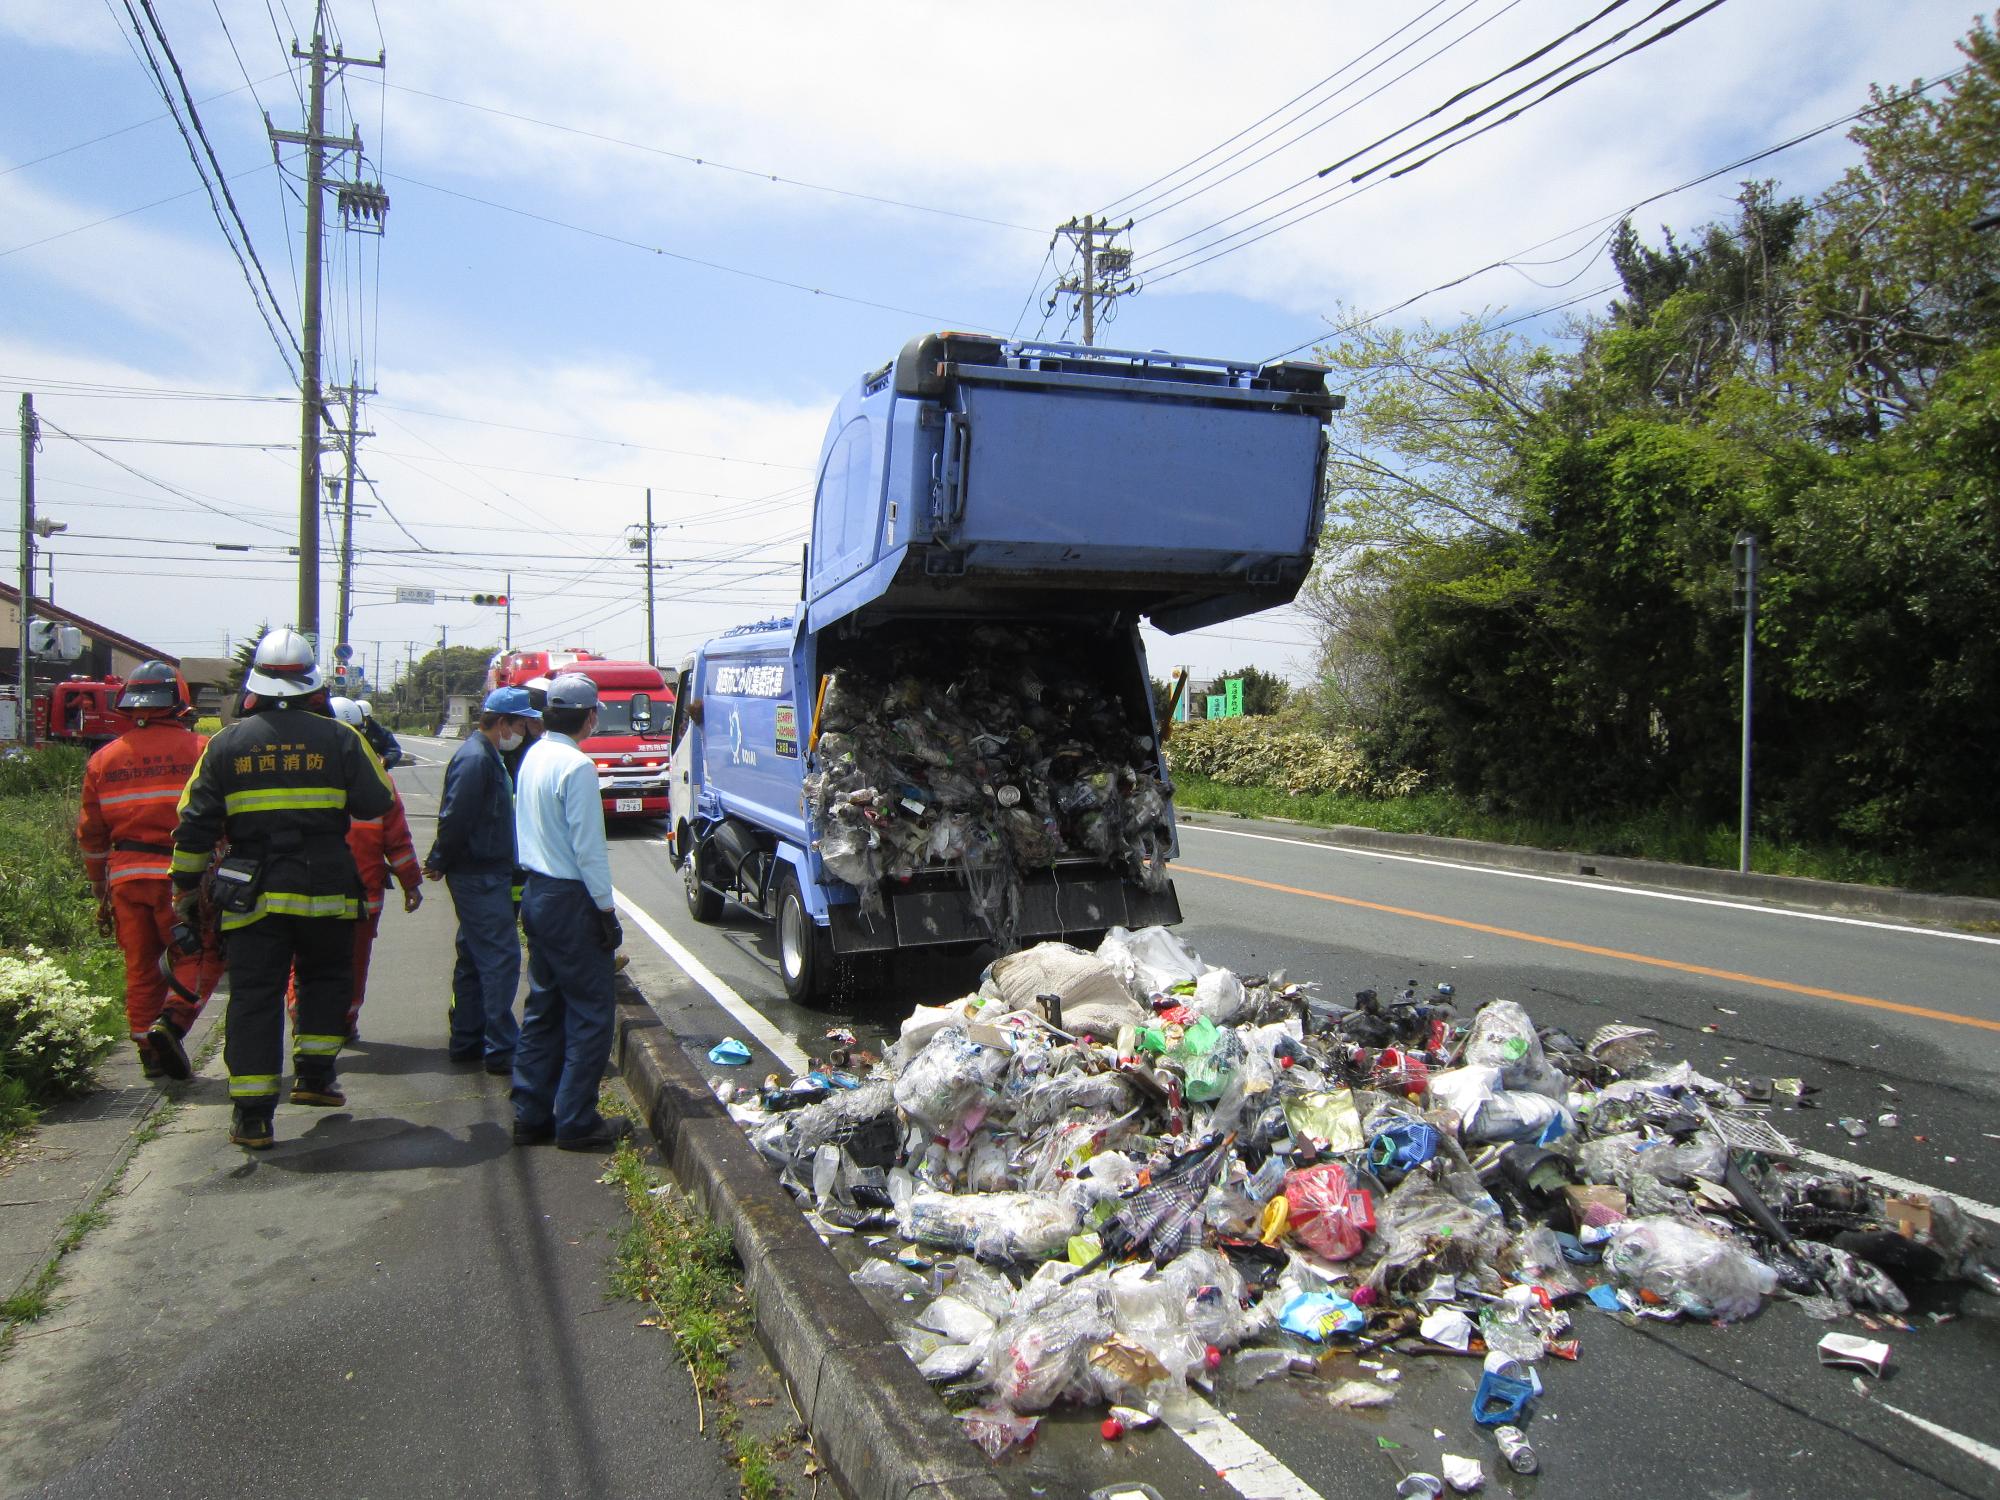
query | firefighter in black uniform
(280,785)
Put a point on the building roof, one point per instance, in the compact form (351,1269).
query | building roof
(100,633)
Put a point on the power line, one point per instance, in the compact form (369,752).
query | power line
(1119,202)
(582,437)
(36,161)
(693,260)
(1156,275)
(1621,214)
(63,234)
(188,495)
(1576,78)
(1339,114)
(221,183)
(702,161)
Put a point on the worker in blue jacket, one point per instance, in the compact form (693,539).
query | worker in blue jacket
(473,854)
(573,932)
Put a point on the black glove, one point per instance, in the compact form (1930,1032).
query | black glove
(609,933)
(186,936)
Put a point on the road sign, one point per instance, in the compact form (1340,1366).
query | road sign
(416,596)
(343,652)
(1232,698)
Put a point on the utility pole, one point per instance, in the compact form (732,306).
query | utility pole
(24,723)
(364,201)
(507,617)
(353,392)
(652,658)
(1106,270)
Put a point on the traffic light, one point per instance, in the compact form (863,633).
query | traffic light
(498,601)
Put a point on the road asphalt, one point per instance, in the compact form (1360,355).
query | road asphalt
(1881,1017)
(396,1302)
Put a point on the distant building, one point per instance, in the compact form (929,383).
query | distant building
(209,679)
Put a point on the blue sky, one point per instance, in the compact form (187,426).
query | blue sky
(635,364)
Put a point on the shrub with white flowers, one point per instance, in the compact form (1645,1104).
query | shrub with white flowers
(49,1039)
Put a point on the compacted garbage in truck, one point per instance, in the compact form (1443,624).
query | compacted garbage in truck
(950,739)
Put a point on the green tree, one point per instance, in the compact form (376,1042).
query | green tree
(1263,692)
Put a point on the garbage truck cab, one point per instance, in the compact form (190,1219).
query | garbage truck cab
(949,740)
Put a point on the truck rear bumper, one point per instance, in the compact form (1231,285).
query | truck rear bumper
(922,917)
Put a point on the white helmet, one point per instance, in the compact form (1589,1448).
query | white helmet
(284,666)
(367,712)
(346,710)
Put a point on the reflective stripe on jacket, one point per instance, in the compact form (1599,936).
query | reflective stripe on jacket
(281,785)
(131,796)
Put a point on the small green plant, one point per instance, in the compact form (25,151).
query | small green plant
(683,1268)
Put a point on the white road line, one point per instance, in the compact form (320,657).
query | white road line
(1356,852)
(1986,1453)
(1243,1463)
(754,1021)
(1972,1206)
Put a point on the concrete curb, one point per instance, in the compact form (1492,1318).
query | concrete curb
(94,1185)
(874,1420)
(1785,890)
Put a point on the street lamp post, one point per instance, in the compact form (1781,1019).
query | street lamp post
(1744,554)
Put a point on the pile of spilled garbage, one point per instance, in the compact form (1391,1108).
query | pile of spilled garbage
(1101,1175)
(1007,771)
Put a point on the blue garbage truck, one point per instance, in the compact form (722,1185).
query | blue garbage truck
(951,737)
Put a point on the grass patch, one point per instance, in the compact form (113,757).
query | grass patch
(683,1268)
(1658,835)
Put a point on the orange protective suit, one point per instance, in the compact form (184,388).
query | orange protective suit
(381,847)
(125,830)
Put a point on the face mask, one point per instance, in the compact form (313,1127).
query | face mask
(509,743)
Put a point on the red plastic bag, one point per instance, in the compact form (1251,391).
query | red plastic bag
(1330,1216)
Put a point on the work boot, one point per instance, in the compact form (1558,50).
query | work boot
(168,1054)
(317,1088)
(251,1128)
(149,1062)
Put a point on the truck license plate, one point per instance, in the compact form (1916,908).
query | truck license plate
(629,804)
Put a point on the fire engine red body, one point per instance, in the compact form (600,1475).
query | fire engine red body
(635,709)
(81,710)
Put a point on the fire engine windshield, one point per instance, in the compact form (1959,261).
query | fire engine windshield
(634,715)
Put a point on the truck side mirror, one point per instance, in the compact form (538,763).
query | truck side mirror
(642,712)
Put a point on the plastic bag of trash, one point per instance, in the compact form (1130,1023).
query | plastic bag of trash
(1150,961)
(1327,1213)
(950,1362)
(1219,995)
(1044,1349)
(1464,1090)
(1094,1000)
(1517,1115)
(957,1319)
(1504,1037)
(992,1226)
(887,1277)
(1688,1268)
(1327,1117)
(995,1429)
(955,1072)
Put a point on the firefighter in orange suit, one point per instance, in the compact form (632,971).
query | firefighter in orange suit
(125,829)
(382,848)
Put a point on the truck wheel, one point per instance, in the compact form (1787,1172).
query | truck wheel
(805,953)
(704,905)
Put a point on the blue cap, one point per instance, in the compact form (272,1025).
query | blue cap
(511,700)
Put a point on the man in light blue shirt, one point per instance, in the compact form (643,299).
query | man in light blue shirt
(572,928)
